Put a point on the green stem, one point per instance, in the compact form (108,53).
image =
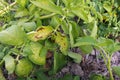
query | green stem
(47,16)
(108,63)
(59,24)
(109,68)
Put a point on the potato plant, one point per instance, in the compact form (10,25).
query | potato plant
(34,30)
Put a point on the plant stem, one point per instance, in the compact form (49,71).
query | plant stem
(47,16)
(109,68)
(7,8)
(108,63)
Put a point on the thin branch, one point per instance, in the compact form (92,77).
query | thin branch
(47,16)
(7,8)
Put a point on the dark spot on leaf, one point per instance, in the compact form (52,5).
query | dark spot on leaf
(40,29)
(64,44)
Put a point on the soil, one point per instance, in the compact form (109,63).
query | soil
(92,63)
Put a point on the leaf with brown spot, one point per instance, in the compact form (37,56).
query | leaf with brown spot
(41,33)
(62,41)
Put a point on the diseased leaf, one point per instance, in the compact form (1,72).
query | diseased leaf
(59,61)
(48,5)
(76,57)
(9,64)
(23,68)
(35,57)
(62,41)
(13,35)
(41,33)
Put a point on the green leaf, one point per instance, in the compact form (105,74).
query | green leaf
(75,29)
(103,42)
(50,45)
(97,77)
(41,75)
(107,6)
(2,55)
(67,2)
(94,30)
(112,48)
(22,3)
(99,15)
(64,26)
(41,33)
(85,41)
(66,77)
(13,35)
(48,5)
(43,53)
(1,75)
(27,50)
(108,45)
(76,78)
(21,13)
(87,49)
(35,47)
(59,61)
(116,48)
(29,26)
(74,32)
(71,35)
(9,64)
(76,57)
(116,70)
(81,13)
(55,21)
(35,57)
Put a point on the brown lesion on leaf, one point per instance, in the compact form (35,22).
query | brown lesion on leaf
(38,37)
(64,44)
(40,29)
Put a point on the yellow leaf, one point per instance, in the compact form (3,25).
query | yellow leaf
(41,33)
(62,41)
